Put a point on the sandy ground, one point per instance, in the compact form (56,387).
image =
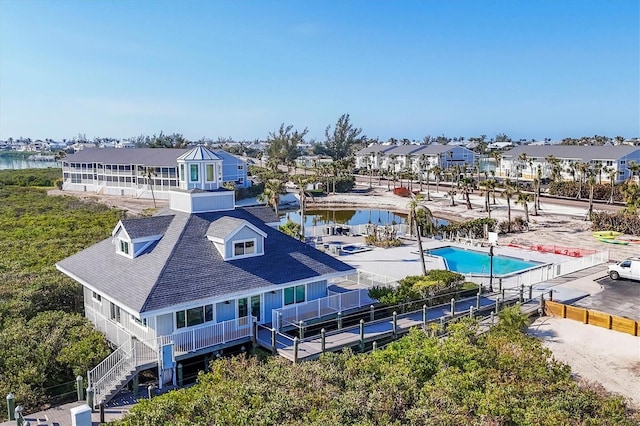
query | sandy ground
(594,354)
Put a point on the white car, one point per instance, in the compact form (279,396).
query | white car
(628,268)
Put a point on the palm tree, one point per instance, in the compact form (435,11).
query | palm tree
(271,194)
(467,187)
(437,173)
(522,158)
(582,168)
(524,199)
(302,183)
(489,185)
(414,205)
(611,172)
(536,190)
(150,173)
(497,157)
(507,193)
(591,181)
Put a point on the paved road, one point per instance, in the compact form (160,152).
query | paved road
(619,297)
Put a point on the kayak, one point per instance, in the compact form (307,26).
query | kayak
(606,234)
(612,241)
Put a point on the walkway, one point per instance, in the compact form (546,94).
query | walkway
(311,347)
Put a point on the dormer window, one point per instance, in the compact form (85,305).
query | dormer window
(244,248)
(236,238)
(124,247)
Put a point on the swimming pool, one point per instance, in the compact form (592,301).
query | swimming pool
(476,262)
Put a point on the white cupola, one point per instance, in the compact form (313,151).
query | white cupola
(200,168)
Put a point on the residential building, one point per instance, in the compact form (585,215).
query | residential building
(139,172)
(199,277)
(414,157)
(524,161)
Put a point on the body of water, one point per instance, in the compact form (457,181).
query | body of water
(349,217)
(476,262)
(14,163)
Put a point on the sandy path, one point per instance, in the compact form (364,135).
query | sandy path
(594,354)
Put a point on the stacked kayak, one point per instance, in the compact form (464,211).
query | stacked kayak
(614,237)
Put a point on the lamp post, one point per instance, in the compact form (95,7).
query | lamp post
(491,269)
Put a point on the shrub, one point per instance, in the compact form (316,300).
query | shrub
(627,223)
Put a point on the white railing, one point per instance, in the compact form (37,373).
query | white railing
(209,335)
(112,370)
(115,333)
(367,279)
(317,308)
(545,272)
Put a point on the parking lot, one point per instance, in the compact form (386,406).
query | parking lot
(618,297)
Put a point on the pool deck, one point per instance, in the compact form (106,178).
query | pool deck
(399,262)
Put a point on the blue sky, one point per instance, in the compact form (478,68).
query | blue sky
(531,69)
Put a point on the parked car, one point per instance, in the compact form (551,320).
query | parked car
(628,268)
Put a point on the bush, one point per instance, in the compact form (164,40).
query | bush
(418,287)
(600,191)
(627,223)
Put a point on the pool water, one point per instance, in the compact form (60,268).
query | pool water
(476,262)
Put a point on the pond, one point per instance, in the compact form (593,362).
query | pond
(349,217)
(13,163)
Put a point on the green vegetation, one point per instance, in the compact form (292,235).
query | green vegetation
(502,377)
(435,283)
(44,340)
(290,228)
(30,177)
(627,223)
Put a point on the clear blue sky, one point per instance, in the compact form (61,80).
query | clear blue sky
(531,69)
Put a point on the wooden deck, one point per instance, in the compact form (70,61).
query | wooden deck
(311,347)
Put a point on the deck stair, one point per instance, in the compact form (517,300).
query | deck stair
(115,371)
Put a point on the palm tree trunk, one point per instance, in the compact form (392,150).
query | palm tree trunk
(526,211)
(415,220)
(509,215)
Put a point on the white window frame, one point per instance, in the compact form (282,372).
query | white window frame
(239,256)
(143,324)
(206,172)
(129,245)
(96,297)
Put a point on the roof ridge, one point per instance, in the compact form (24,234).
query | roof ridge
(166,263)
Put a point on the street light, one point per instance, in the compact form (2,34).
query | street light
(491,269)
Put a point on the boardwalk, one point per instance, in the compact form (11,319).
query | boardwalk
(311,348)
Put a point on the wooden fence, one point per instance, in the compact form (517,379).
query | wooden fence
(599,319)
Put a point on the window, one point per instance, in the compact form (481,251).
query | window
(194,316)
(243,310)
(240,167)
(114,313)
(124,247)
(288,295)
(294,295)
(138,321)
(623,162)
(300,294)
(95,296)
(210,176)
(244,248)
(182,172)
(181,319)
(193,168)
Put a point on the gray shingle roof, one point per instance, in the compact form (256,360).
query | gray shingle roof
(159,157)
(146,227)
(403,149)
(434,149)
(582,153)
(222,227)
(184,265)
(374,148)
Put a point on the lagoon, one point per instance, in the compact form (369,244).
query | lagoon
(349,217)
(14,163)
